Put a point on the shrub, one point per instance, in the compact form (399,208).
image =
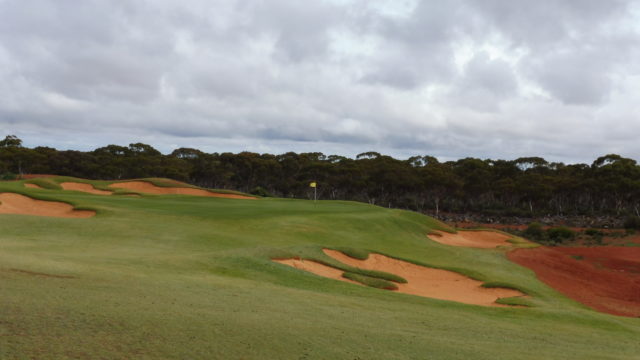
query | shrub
(8,176)
(560,234)
(534,231)
(260,191)
(593,232)
(632,222)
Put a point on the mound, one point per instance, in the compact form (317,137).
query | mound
(606,279)
(474,239)
(316,268)
(12,203)
(33,186)
(430,282)
(149,188)
(88,188)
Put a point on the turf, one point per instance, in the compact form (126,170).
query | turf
(185,277)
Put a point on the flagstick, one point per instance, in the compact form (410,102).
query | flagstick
(315,193)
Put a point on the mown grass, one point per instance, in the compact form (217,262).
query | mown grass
(184,277)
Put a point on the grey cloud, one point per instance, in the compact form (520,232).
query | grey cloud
(456,78)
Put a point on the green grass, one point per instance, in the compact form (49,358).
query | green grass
(184,277)
(370,281)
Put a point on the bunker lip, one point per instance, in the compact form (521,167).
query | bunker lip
(482,239)
(149,188)
(606,279)
(33,186)
(421,281)
(12,203)
(316,268)
(87,188)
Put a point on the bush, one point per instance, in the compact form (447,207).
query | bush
(260,191)
(593,232)
(534,231)
(560,234)
(8,176)
(632,222)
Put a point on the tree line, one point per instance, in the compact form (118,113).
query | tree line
(528,186)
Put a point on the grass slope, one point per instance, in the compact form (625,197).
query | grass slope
(184,277)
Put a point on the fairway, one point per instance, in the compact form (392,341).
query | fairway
(178,276)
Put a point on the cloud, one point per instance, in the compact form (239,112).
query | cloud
(459,78)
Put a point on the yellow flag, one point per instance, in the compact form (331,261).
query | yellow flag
(313,184)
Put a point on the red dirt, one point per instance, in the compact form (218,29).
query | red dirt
(606,279)
(149,188)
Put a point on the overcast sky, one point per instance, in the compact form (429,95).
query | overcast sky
(457,78)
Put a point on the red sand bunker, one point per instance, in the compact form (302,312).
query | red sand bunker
(475,239)
(149,188)
(606,279)
(88,188)
(19,204)
(421,281)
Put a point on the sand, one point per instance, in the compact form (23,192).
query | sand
(475,239)
(421,281)
(19,204)
(33,186)
(606,279)
(316,268)
(430,282)
(149,188)
(88,188)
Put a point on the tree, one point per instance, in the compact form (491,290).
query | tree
(11,141)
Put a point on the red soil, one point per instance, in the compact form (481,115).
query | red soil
(606,279)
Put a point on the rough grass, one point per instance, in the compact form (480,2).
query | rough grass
(184,277)
(359,254)
(370,281)
(44,183)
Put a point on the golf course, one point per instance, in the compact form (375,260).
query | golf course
(158,269)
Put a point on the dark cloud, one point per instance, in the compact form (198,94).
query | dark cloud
(458,78)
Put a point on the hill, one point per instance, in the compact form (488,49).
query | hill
(192,277)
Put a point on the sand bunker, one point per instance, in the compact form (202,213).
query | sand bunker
(430,282)
(12,203)
(316,268)
(88,188)
(606,279)
(149,188)
(33,186)
(421,281)
(475,239)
